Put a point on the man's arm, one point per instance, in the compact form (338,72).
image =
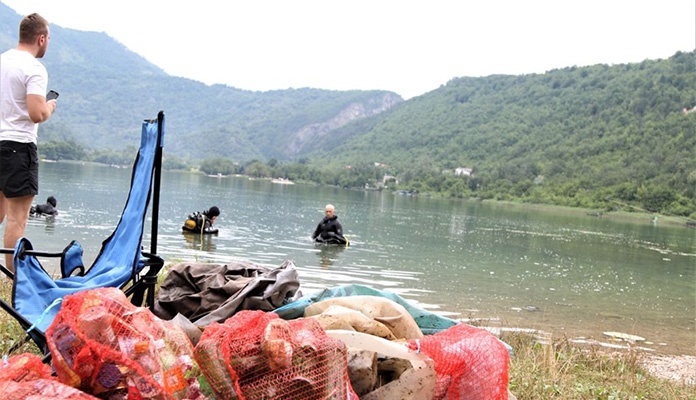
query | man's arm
(39,109)
(316,231)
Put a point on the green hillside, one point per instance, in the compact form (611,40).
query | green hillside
(105,90)
(592,136)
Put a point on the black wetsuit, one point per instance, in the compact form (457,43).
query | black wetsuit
(41,209)
(202,222)
(329,230)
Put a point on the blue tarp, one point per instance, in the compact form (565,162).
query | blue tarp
(428,322)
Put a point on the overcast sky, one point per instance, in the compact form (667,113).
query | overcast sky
(408,47)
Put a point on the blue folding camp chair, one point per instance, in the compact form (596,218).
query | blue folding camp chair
(121,262)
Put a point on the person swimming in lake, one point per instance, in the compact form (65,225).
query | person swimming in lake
(44,209)
(198,222)
(329,230)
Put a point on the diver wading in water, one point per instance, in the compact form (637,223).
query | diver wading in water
(329,230)
(202,222)
(45,209)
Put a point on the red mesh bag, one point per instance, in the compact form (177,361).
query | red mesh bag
(257,355)
(24,367)
(41,389)
(209,357)
(103,345)
(470,363)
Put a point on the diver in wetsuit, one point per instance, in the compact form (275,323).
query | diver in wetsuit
(202,221)
(49,208)
(329,230)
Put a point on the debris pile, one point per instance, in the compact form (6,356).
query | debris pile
(357,347)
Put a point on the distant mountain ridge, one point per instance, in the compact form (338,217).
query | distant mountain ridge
(597,136)
(106,89)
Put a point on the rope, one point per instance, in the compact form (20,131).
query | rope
(45,313)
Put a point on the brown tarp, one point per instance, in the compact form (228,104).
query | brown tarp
(206,293)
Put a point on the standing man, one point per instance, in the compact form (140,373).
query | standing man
(329,230)
(23,105)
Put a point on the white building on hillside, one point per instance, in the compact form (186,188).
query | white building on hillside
(463,172)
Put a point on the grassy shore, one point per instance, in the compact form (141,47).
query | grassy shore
(636,216)
(556,370)
(561,370)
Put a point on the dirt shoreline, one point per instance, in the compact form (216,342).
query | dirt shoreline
(678,369)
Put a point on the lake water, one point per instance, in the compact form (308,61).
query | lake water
(571,275)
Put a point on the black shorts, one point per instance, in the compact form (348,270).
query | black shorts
(19,169)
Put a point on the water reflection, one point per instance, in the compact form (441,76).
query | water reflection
(328,254)
(200,242)
(48,222)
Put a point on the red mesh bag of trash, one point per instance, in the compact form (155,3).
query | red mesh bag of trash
(24,367)
(258,355)
(41,389)
(103,345)
(470,363)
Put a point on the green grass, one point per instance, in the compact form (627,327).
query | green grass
(560,370)
(11,333)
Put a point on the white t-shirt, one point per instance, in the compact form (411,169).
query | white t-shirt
(20,74)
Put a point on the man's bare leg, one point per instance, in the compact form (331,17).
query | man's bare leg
(16,215)
(3,210)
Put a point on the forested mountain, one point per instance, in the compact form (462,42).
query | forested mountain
(598,136)
(105,90)
(578,136)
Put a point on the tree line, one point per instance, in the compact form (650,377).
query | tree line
(423,177)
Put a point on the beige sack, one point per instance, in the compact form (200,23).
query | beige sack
(387,312)
(340,317)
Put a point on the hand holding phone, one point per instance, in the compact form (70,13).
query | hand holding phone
(52,95)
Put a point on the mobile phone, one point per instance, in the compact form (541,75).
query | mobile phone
(52,95)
